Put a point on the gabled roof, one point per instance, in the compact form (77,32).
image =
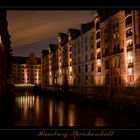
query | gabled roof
(53,47)
(64,38)
(87,26)
(74,32)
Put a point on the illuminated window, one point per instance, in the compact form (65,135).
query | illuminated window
(130,44)
(130,71)
(129,32)
(130,56)
(114,35)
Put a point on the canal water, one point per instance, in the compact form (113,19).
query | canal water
(28,109)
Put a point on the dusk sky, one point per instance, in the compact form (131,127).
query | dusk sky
(33,31)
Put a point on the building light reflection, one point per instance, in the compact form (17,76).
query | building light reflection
(60,113)
(37,105)
(51,113)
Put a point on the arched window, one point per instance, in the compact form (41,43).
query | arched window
(97,25)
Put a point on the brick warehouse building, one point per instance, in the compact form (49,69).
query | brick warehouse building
(101,59)
(26,70)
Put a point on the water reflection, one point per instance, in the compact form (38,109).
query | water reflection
(51,113)
(31,110)
(61,113)
(71,116)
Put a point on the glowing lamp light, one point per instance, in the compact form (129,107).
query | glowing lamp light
(70,68)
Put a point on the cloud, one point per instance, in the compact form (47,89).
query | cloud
(30,27)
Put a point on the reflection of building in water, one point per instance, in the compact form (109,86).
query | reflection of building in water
(71,116)
(23,101)
(99,121)
(61,113)
(37,106)
(51,113)
(26,70)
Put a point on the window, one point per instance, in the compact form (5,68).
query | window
(107,78)
(130,57)
(119,62)
(92,79)
(86,79)
(128,20)
(70,49)
(118,48)
(130,79)
(129,32)
(130,71)
(98,44)
(117,25)
(97,25)
(99,55)
(115,63)
(98,35)
(106,51)
(114,35)
(86,68)
(99,69)
(130,44)
(115,49)
(92,67)
(107,64)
